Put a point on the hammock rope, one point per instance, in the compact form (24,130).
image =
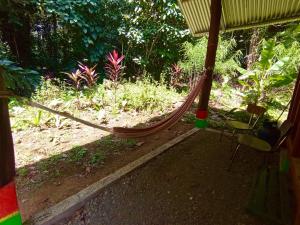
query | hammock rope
(124,132)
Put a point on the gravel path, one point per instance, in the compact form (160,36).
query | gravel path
(187,185)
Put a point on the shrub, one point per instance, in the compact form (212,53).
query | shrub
(226,60)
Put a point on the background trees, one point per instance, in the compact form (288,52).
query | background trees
(52,35)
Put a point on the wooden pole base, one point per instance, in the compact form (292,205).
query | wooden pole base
(9,211)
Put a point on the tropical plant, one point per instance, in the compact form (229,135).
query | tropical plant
(276,67)
(151,35)
(19,80)
(227,59)
(37,118)
(79,27)
(76,78)
(88,74)
(114,67)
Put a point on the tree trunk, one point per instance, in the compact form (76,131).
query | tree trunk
(7,159)
(253,55)
(212,44)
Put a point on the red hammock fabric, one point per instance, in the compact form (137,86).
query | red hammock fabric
(173,118)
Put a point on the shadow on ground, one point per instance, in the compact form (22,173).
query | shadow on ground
(189,184)
(48,181)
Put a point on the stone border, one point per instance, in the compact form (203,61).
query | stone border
(67,207)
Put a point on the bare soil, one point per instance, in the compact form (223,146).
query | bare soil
(50,170)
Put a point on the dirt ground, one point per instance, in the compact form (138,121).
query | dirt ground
(186,185)
(56,162)
(48,174)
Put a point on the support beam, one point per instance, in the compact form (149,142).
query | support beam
(294,117)
(9,210)
(212,45)
(7,159)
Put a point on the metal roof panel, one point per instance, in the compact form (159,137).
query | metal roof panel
(239,14)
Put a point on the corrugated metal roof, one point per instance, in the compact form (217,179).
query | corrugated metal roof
(239,14)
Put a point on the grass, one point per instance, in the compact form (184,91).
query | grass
(143,96)
(97,158)
(77,153)
(23,172)
(189,118)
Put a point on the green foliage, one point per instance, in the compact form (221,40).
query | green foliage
(4,50)
(153,32)
(19,80)
(130,142)
(89,27)
(276,67)
(290,55)
(226,60)
(23,172)
(50,90)
(109,143)
(37,119)
(59,33)
(289,35)
(97,158)
(77,153)
(143,96)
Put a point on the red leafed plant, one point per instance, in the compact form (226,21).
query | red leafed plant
(114,69)
(114,66)
(88,74)
(75,77)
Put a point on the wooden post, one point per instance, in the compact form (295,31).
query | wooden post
(7,159)
(212,44)
(294,116)
(9,210)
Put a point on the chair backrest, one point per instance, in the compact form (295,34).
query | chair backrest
(285,128)
(257,111)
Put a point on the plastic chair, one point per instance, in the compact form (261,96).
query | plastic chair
(255,111)
(259,144)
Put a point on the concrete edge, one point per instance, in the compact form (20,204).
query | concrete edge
(66,207)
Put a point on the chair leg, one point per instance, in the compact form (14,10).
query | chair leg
(234,156)
(232,138)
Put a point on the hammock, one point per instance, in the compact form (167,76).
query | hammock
(171,119)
